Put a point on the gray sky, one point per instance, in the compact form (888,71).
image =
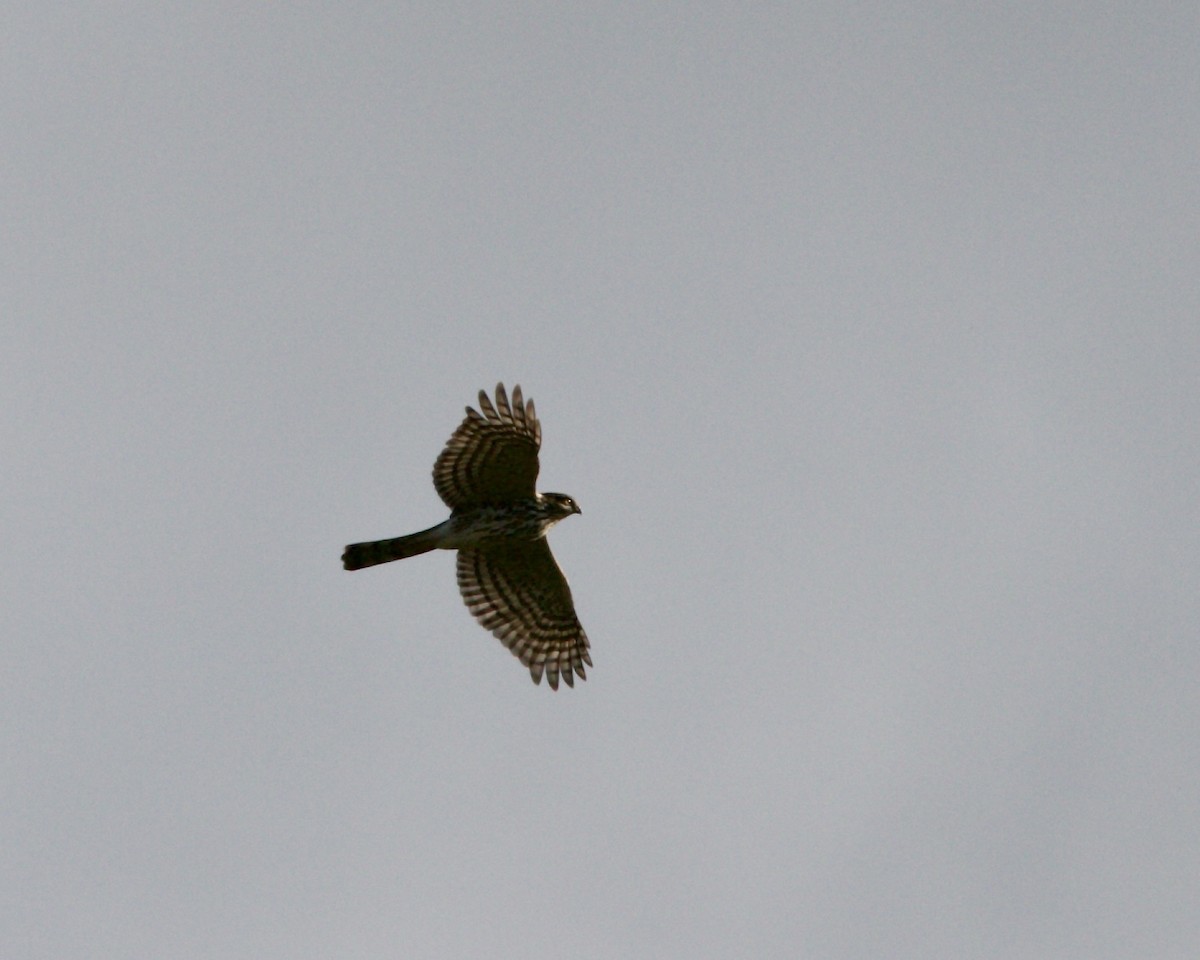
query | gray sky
(866,337)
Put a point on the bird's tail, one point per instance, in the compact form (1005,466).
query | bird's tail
(359,555)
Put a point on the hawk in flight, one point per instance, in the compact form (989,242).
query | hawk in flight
(498,522)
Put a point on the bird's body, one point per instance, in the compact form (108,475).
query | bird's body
(483,526)
(498,523)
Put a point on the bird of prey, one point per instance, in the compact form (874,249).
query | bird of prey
(498,522)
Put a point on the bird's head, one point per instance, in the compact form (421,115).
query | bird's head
(560,505)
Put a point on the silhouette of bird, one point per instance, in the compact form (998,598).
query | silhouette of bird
(498,521)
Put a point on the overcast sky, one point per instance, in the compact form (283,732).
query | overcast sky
(867,338)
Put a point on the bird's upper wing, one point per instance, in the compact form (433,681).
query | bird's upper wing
(518,593)
(493,456)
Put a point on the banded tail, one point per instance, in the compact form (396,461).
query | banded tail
(359,555)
